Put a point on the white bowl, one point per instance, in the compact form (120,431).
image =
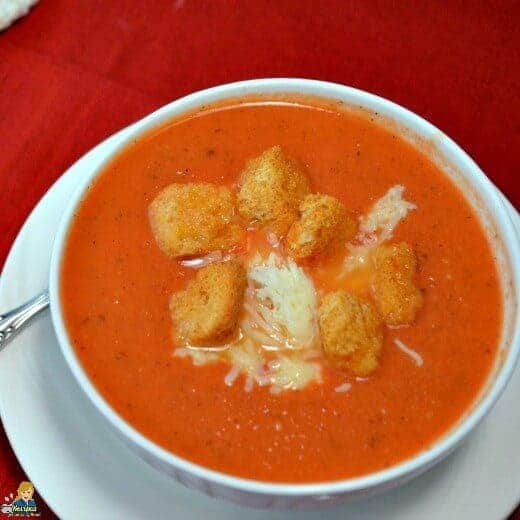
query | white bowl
(479,191)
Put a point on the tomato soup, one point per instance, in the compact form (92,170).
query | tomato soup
(116,284)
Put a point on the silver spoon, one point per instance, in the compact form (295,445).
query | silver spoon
(12,321)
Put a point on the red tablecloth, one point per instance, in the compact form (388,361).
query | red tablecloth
(74,72)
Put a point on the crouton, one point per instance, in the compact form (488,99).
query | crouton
(271,189)
(397,297)
(206,313)
(324,223)
(194,219)
(351,333)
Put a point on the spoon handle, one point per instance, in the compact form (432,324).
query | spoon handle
(12,321)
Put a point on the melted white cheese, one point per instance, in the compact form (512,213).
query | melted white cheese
(279,335)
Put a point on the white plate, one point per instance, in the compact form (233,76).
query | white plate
(83,471)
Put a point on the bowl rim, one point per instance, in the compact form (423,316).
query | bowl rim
(328,91)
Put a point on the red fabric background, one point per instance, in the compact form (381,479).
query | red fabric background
(75,71)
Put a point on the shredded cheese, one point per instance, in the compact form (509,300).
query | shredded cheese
(293,373)
(198,356)
(246,357)
(279,335)
(232,375)
(376,227)
(417,358)
(385,214)
(345,387)
(202,261)
(284,301)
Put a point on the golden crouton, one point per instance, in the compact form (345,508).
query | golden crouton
(194,219)
(271,189)
(206,312)
(397,297)
(323,223)
(351,332)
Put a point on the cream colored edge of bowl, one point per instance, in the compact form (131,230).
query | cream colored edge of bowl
(414,126)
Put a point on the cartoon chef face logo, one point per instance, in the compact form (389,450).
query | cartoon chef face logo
(23,504)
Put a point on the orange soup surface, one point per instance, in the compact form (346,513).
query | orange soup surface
(116,284)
